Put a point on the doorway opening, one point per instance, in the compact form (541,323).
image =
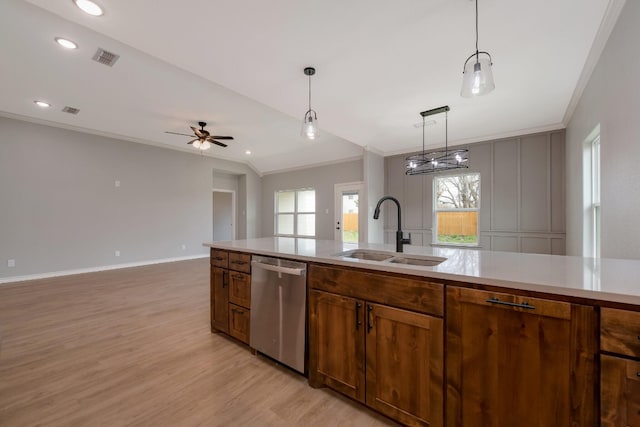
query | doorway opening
(224,215)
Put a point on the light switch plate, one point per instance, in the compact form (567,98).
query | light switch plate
(11,263)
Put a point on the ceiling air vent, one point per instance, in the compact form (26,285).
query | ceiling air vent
(105,57)
(70,110)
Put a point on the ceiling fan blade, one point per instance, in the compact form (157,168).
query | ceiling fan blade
(192,141)
(210,139)
(176,133)
(197,131)
(221,137)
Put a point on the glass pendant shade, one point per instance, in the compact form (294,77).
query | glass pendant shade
(477,75)
(196,144)
(310,128)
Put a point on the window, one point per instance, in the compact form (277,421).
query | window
(455,209)
(595,195)
(296,213)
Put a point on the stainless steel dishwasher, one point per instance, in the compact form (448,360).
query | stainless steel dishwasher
(278,300)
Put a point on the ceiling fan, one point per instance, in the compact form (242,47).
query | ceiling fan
(203,138)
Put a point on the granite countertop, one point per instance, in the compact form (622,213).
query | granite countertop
(612,280)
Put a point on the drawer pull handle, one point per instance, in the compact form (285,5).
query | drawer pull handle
(237,277)
(638,337)
(638,374)
(238,262)
(358,322)
(219,258)
(525,304)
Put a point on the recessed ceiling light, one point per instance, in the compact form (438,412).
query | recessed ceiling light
(87,6)
(247,152)
(67,44)
(42,104)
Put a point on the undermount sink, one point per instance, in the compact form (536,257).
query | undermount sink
(367,255)
(392,257)
(423,261)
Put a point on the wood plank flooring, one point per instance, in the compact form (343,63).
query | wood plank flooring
(133,347)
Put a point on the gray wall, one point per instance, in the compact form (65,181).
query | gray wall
(61,210)
(522,195)
(322,179)
(611,99)
(374,184)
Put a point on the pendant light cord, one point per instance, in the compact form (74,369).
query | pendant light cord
(310,92)
(446,133)
(423,123)
(476,28)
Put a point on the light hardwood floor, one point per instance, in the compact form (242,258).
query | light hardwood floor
(133,347)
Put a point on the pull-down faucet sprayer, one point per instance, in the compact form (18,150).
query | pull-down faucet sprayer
(399,239)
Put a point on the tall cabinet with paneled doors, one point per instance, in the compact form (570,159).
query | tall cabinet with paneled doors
(619,367)
(378,339)
(231,293)
(519,361)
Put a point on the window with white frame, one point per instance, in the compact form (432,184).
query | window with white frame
(595,195)
(295,213)
(456,205)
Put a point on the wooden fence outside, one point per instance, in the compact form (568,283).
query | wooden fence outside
(457,223)
(350,222)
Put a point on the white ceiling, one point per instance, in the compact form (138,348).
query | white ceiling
(238,66)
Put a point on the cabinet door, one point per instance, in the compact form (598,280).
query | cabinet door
(620,392)
(240,289)
(220,299)
(405,365)
(519,361)
(239,318)
(336,343)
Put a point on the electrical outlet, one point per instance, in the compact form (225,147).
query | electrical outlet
(117,253)
(184,247)
(11,263)
(117,183)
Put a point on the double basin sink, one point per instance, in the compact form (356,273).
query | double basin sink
(392,257)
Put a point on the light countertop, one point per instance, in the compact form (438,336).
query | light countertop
(613,280)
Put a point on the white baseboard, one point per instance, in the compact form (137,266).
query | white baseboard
(13,279)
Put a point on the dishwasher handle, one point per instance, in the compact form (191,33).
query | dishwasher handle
(278,268)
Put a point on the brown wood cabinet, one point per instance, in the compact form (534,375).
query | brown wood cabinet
(519,361)
(619,374)
(219,300)
(239,322)
(387,357)
(231,293)
(336,340)
(404,359)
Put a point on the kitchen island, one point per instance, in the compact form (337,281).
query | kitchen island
(502,338)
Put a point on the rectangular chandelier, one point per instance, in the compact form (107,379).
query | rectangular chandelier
(436,161)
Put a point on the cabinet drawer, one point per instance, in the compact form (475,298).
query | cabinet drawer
(240,262)
(219,258)
(620,331)
(620,392)
(239,318)
(420,295)
(240,289)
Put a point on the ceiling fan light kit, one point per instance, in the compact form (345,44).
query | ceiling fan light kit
(437,161)
(310,128)
(477,76)
(203,139)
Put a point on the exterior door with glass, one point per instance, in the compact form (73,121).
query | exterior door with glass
(349,223)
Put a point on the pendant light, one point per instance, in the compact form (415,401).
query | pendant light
(310,125)
(477,77)
(437,161)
